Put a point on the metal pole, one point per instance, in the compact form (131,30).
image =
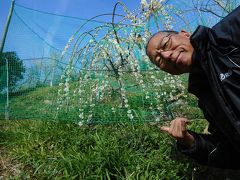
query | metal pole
(7,103)
(1,50)
(6,27)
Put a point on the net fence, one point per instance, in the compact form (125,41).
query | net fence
(57,67)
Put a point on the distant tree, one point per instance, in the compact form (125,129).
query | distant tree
(15,70)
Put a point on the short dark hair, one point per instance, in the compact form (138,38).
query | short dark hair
(164,31)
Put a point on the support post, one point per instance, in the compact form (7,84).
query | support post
(1,50)
(6,27)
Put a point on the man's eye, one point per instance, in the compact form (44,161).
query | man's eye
(165,45)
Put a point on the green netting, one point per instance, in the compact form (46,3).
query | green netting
(3,95)
(56,67)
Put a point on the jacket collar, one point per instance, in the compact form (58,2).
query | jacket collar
(197,79)
(199,41)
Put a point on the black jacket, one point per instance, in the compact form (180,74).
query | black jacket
(216,83)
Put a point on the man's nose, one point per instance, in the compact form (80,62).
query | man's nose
(165,54)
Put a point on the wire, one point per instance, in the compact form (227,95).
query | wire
(100,70)
(34,31)
(73,17)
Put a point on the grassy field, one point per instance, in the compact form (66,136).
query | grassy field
(56,150)
(39,147)
(48,150)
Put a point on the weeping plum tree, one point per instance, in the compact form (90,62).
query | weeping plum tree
(115,78)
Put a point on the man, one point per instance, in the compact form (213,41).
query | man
(211,56)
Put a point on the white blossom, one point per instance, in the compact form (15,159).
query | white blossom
(80,123)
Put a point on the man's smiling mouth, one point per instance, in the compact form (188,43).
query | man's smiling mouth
(178,59)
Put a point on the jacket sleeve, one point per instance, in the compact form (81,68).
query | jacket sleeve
(202,148)
(211,149)
(208,151)
(227,32)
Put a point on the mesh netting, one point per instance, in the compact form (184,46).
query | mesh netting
(89,70)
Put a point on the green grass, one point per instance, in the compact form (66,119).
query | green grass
(57,150)
(44,148)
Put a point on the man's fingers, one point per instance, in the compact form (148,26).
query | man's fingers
(182,119)
(177,128)
(187,121)
(165,128)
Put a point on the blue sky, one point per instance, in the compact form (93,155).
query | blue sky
(28,45)
(78,8)
(40,31)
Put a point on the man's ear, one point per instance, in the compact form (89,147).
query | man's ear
(185,33)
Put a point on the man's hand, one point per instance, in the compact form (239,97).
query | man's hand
(178,130)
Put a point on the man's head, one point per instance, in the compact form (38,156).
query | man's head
(171,51)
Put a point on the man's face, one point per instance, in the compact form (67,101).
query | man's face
(171,52)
